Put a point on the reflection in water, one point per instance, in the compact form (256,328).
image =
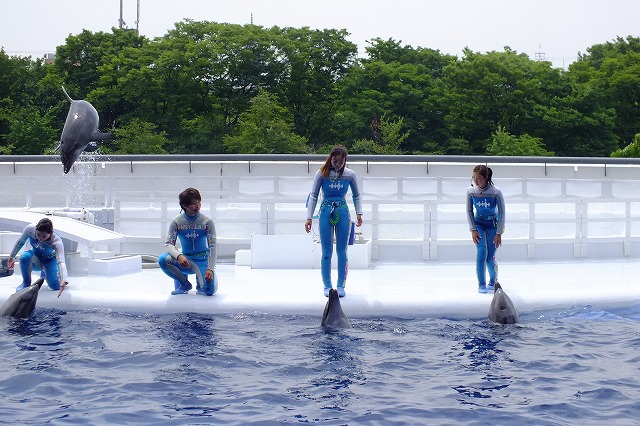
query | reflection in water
(189,335)
(36,345)
(479,351)
(335,368)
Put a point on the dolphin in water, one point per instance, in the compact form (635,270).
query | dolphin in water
(502,310)
(21,304)
(333,315)
(80,132)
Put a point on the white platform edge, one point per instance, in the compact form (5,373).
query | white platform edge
(422,290)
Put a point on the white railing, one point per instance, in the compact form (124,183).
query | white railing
(416,229)
(413,210)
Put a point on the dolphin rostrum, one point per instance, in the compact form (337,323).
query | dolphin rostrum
(502,310)
(21,304)
(333,315)
(80,132)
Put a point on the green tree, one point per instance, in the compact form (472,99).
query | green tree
(137,137)
(31,110)
(630,151)
(504,143)
(388,138)
(483,91)
(612,71)
(314,62)
(265,128)
(30,133)
(78,60)
(396,81)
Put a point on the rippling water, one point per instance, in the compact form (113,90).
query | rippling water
(571,367)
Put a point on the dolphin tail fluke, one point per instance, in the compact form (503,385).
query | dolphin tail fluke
(66,94)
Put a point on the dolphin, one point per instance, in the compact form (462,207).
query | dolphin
(502,310)
(80,132)
(333,315)
(21,304)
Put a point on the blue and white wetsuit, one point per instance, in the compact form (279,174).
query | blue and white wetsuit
(334,217)
(197,237)
(46,256)
(488,219)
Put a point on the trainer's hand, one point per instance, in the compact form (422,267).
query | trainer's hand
(11,263)
(208,275)
(307,226)
(359,220)
(62,287)
(475,236)
(184,262)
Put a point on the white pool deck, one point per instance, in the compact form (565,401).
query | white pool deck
(406,290)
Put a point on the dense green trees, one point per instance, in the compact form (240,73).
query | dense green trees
(207,87)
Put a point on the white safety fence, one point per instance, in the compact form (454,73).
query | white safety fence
(415,230)
(413,211)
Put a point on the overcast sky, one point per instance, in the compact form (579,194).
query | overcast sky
(558,28)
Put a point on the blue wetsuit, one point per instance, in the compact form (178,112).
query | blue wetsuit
(46,256)
(334,217)
(197,237)
(488,219)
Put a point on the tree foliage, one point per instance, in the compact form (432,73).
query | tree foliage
(504,143)
(388,137)
(265,128)
(208,87)
(630,151)
(138,137)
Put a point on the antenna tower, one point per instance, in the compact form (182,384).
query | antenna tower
(539,56)
(122,24)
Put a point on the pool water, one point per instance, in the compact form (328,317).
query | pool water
(580,366)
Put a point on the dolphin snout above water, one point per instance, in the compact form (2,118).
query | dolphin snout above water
(502,309)
(80,132)
(21,304)
(333,315)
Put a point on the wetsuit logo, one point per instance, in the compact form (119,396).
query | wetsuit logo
(484,203)
(336,185)
(192,234)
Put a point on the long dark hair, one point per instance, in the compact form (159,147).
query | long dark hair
(485,171)
(326,167)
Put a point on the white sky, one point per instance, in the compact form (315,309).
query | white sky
(558,28)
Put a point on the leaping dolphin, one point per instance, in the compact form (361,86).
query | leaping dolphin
(333,315)
(21,304)
(502,310)
(80,132)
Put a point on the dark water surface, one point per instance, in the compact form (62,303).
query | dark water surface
(96,367)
